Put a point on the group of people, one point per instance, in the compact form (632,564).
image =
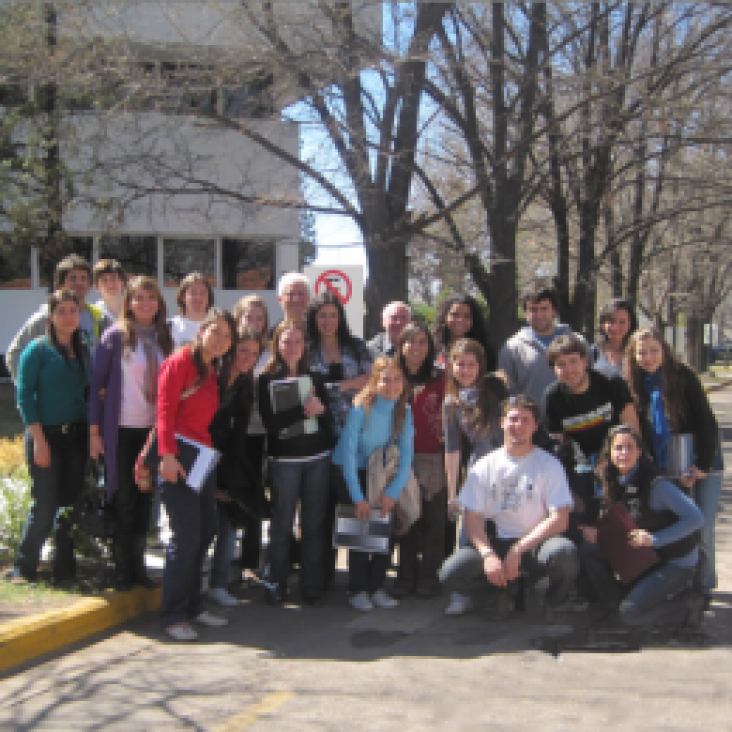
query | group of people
(508,445)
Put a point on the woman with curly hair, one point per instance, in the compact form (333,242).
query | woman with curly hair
(617,322)
(460,316)
(671,400)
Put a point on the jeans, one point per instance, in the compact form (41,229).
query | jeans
(308,482)
(192,517)
(223,552)
(52,489)
(556,558)
(707,494)
(659,598)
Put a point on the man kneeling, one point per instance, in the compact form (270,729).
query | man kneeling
(524,491)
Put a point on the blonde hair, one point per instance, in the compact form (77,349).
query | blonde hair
(366,398)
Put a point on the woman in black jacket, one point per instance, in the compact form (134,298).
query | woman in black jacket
(234,475)
(299,442)
(671,400)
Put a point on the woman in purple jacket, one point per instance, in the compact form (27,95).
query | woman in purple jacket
(121,412)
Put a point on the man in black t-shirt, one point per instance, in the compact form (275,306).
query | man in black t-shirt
(583,404)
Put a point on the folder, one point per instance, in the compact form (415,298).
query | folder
(196,459)
(361,536)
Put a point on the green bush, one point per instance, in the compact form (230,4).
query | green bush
(15,495)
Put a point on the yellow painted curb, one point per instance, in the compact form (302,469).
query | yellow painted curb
(27,638)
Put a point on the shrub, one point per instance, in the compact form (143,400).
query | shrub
(15,495)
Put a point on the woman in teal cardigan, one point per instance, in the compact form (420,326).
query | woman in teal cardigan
(52,381)
(380,414)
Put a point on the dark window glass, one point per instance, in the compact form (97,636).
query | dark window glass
(247,265)
(51,254)
(183,256)
(15,265)
(138,255)
(252,100)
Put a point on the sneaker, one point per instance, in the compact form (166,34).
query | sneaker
(182,632)
(361,602)
(221,596)
(459,604)
(384,601)
(210,620)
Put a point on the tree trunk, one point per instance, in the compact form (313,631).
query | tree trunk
(695,349)
(387,280)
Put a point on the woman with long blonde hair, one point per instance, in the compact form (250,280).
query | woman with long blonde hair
(381,414)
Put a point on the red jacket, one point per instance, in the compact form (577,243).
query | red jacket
(191,416)
(427,416)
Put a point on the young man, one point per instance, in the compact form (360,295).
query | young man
(109,281)
(394,317)
(583,404)
(72,273)
(524,491)
(523,356)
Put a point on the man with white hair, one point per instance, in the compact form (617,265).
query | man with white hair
(394,317)
(293,293)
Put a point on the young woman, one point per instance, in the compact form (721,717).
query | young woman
(125,372)
(460,316)
(344,361)
(667,520)
(380,414)
(472,423)
(671,400)
(251,313)
(52,379)
(187,402)
(299,444)
(234,472)
(617,322)
(194,298)
(417,356)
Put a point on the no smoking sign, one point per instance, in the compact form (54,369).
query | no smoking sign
(337,282)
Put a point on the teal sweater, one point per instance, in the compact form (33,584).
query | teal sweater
(50,389)
(360,438)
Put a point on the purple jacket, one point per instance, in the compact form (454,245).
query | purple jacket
(107,374)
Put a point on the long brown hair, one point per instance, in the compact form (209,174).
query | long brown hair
(606,472)
(227,363)
(247,303)
(276,365)
(671,369)
(202,369)
(366,398)
(77,347)
(492,388)
(127,319)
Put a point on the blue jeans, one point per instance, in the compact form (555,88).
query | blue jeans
(53,489)
(193,523)
(707,493)
(309,482)
(556,558)
(658,599)
(223,552)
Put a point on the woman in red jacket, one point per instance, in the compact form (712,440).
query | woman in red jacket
(187,401)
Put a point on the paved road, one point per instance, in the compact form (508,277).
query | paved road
(329,669)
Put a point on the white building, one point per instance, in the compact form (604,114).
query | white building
(159,146)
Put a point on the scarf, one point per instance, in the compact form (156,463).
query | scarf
(661,431)
(148,337)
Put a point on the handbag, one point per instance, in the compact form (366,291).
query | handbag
(93,512)
(144,474)
(383,467)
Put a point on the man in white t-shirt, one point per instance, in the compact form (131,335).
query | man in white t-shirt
(524,491)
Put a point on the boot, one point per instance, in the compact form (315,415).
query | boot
(138,569)
(122,555)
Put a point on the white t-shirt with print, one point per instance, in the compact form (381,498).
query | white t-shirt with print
(516,493)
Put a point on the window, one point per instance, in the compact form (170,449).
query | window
(183,256)
(252,100)
(15,265)
(50,255)
(247,265)
(138,255)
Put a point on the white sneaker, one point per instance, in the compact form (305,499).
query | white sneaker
(361,602)
(384,601)
(182,632)
(210,620)
(221,596)
(459,604)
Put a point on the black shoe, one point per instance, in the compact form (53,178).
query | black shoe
(313,601)
(273,598)
(16,574)
(122,584)
(142,580)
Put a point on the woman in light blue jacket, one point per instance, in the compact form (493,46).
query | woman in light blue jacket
(381,414)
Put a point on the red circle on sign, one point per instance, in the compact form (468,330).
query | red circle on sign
(324,279)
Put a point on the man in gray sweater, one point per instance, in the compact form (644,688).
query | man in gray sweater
(523,356)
